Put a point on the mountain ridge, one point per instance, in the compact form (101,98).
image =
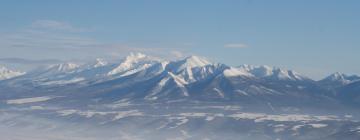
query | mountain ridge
(192,77)
(196,61)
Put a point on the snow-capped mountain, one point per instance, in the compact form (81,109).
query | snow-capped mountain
(187,63)
(55,69)
(133,63)
(97,71)
(100,62)
(55,73)
(339,79)
(6,73)
(272,73)
(140,77)
(194,69)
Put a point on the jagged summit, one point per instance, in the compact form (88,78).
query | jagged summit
(265,71)
(100,62)
(134,61)
(336,76)
(195,61)
(188,63)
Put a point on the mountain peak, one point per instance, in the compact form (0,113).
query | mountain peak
(196,61)
(188,63)
(100,62)
(133,61)
(337,76)
(341,78)
(265,71)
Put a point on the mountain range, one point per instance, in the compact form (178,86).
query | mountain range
(192,98)
(190,78)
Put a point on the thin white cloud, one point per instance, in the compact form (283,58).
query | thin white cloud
(56,25)
(120,50)
(47,34)
(177,54)
(58,40)
(237,45)
(45,39)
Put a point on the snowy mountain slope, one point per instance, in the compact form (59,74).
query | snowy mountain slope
(350,93)
(234,72)
(272,73)
(187,63)
(6,73)
(133,63)
(169,87)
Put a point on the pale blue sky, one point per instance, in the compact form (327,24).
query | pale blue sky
(314,37)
